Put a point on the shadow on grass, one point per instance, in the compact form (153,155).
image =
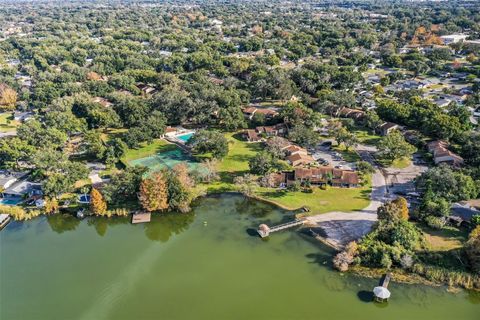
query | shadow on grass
(273,194)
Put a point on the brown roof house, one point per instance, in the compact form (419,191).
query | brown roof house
(249,112)
(251,135)
(441,154)
(388,127)
(320,176)
(299,159)
(328,175)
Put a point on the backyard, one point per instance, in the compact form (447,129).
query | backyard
(320,201)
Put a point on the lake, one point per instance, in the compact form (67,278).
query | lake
(204,265)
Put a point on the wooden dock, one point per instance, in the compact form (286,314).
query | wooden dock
(381,293)
(264,230)
(4,220)
(141,217)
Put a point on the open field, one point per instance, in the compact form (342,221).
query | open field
(320,201)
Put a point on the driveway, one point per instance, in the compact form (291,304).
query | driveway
(340,228)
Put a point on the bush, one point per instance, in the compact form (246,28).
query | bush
(18,213)
(119,212)
(436,223)
(476,220)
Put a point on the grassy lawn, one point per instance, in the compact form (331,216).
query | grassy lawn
(7,124)
(445,239)
(145,150)
(401,163)
(365,137)
(320,201)
(112,133)
(348,155)
(234,164)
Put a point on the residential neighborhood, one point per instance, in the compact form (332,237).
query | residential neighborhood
(181,159)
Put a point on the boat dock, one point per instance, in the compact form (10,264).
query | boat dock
(381,292)
(264,230)
(4,220)
(141,217)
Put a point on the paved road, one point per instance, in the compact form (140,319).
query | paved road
(342,227)
(8,134)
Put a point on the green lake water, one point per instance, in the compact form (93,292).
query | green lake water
(178,267)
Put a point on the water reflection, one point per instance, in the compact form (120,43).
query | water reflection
(60,223)
(163,226)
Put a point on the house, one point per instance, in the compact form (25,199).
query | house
(8,178)
(351,113)
(268,113)
(322,176)
(441,154)
(299,159)
(102,101)
(388,127)
(442,102)
(251,135)
(22,116)
(293,149)
(275,130)
(146,88)
(249,112)
(254,135)
(453,38)
(22,189)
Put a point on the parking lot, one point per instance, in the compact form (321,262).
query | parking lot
(331,158)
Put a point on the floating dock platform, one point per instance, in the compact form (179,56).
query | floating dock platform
(141,217)
(4,220)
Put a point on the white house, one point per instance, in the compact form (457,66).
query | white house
(453,38)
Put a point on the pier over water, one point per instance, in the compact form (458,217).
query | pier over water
(264,230)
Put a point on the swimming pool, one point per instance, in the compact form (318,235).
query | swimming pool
(185,137)
(10,201)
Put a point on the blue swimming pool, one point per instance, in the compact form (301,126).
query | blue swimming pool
(10,201)
(186,137)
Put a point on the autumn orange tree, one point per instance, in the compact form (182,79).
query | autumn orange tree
(51,205)
(394,210)
(98,205)
(8,97)
(153,193)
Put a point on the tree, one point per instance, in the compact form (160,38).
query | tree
(365,167)
(153,193)
(246,184)
(372,120)
(304,136)
(472,249)
(349,139)
(209,141)
(444,182)
(124,185)
(51,205)
(393,146)
(178,191)
(8,98)
(14,151)
(262,163)
(98,205)
(208,171)
(393,210)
